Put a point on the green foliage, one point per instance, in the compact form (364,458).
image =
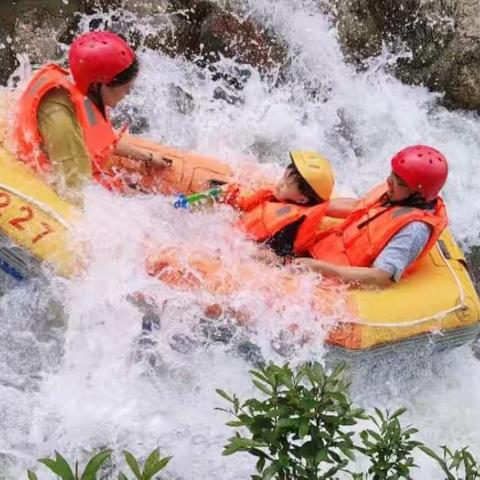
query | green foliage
(457,465)
(302,429)
(60,467)
(389,447)
(63,470)
(153,464)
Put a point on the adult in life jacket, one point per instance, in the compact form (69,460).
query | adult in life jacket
(63,131)
(384,234)
(285,218)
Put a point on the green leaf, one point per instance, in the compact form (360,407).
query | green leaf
(59,466)
(64,465)
(348,453)
(133,464)
(260,375)
(399,412)
(380,414)
(235,423)
(94,465)
(256,452)
(31,475)
(430,453)
(230,449)
(287,422)
(375,435)
(269,472)
(409,432)
(260,464)
(303,428)
(151,460)
(241,444)
(122,476)
(322,455)
(276,412)
(160,465)
(262,387)
(225,395)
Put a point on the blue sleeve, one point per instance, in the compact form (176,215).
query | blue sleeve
(403,249)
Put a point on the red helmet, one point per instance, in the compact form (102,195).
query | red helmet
(98,57)
(422,168)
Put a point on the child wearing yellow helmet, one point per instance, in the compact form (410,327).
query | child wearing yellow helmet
(287,216)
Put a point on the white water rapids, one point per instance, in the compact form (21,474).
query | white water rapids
(85,387)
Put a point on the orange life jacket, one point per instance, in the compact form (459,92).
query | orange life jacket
(361,237)
(264,217)
(244,199)
(99,135)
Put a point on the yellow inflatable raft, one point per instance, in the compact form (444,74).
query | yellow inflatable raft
(438,297)
(35,219)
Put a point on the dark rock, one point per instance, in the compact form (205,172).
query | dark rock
(361,36)
(145,351)
(250,352)
(180,100)
(201,31)
(7,55)
(132,116)
(441,39)
(472,255)
(217,331)
(36,27)
(220,94)
(182,343)
(204,32)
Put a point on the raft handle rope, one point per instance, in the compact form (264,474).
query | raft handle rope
(45,208)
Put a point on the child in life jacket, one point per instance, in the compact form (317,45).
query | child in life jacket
(286,217)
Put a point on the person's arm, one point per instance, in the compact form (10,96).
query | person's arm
(341,207)
(127,150)
(399,253)
(368,276)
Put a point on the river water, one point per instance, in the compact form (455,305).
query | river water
(96,382)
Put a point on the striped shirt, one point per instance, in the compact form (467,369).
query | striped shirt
(403,249)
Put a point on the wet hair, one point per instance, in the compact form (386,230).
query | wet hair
(415,200)
(304,188)
(125,76)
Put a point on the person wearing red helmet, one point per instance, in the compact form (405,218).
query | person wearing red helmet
(63,130)
(384,234)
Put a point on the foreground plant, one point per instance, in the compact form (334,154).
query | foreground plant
(457,465)
(389,446)
(60,467)
(153,464)
(301,430)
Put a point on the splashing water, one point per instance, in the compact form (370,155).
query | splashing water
(97,381)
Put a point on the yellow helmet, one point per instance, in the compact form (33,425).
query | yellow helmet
(316,170)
